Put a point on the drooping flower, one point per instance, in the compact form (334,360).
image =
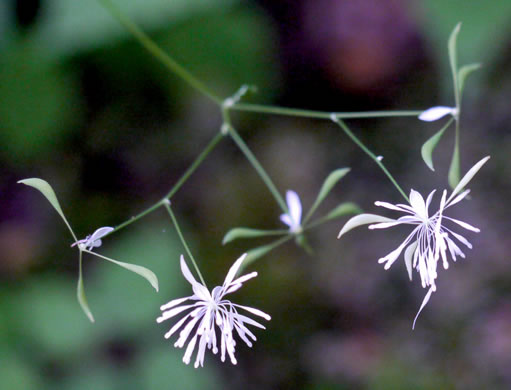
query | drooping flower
(210,309)
(437,112)
(430,239)
(93,240)
(294,217)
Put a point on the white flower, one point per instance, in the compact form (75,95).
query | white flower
(293,219)
(93,240)
(437,112)
(430,239)
(208,310)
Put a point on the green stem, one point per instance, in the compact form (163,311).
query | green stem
(258,167)
(369,153)
(209,148)
(135,218)
(263,109)
(198,161)
(157,52)
(181,237)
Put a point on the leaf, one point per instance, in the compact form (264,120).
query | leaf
(362,219)
(342,210)
(138,269)
(241,232)
(454,168)
(468,176)
(464,72)
(451,46)
(256,253)
(429,146)
(327,186)
(302,242)
(45,188)
(80,293)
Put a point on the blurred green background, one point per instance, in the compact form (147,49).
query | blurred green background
(84,107)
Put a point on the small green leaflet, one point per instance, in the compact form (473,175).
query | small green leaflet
(242,232)
(45,189)
(429,146)
(327,186)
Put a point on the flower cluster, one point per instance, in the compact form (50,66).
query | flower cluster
(430,240)
(209,311)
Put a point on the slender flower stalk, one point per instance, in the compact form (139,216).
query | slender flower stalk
(207,310)
(431,240)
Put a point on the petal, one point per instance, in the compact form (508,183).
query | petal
(392,256)
(424,302)
(385,225)
(183,335)
(435,113)
(462,239)
(172,312)
(244,278)
(393,207)
(200,353)
(417,202)
(252,310)
(409,252)
(463,224)
(428,201)
(176,326)
(468,176)
(189,350)
(173,302)
(102,231)
(286,219)
(459,198)
(186,271)
(234,270)
(201,292)
(295,207)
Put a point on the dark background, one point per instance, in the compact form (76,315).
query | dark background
(84,107)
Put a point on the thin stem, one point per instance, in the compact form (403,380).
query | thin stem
(258,167)
(157,52)
(369,153)
(209,148)
(181,237)
(264,109)
(136,217)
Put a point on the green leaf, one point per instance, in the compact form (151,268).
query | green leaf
(241,232)
(256,253)
(49,194)
(451,46)
(302,242)
(464,72)
(327,186)
(138,269)
(429,146)
(80,293)
(454,169)
(362,219)
(342,210)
